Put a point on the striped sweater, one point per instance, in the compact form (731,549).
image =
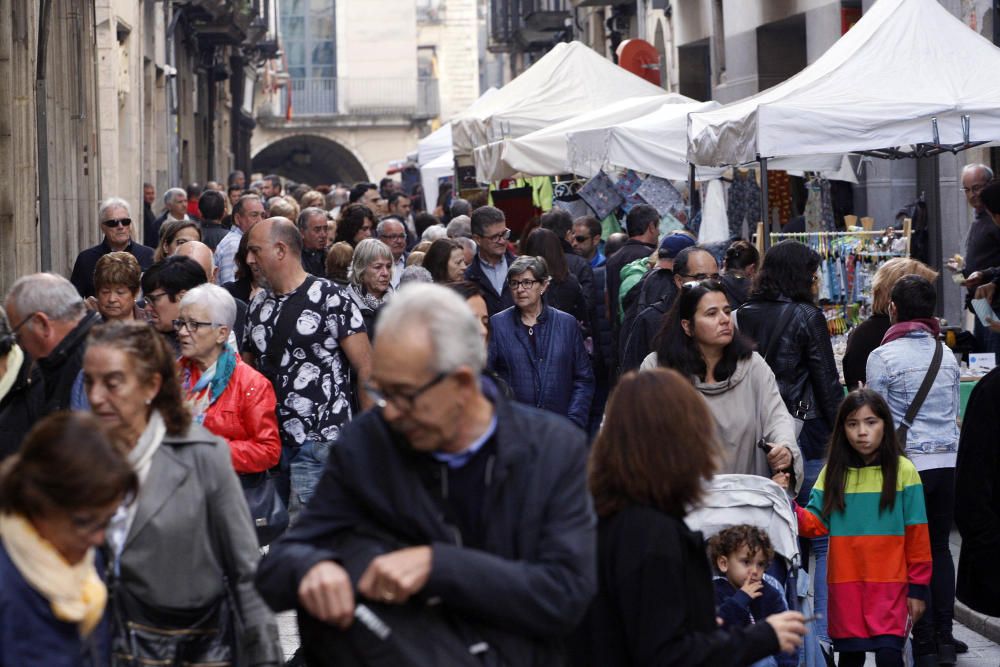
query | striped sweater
(876,558)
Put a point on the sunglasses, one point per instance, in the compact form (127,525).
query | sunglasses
(118,222)
(581,239)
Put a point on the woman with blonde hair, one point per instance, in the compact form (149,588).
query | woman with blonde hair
(868,335)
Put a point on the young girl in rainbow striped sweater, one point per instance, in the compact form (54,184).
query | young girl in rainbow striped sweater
(869,500)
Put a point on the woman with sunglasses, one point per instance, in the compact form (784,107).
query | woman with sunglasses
(538,350)
(698,340)
(57,495)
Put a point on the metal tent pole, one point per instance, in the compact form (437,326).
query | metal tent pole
(764,212)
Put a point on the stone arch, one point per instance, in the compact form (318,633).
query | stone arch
(309,158)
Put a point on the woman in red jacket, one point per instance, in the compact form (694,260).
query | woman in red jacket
(225,395)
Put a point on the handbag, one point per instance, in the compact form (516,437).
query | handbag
(147,636)
(268,511)
(925,387)
(799,408)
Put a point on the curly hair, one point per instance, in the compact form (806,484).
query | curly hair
(352,219)
(117,269)
(730,540)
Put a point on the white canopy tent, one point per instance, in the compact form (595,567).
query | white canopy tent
(434,155)
(656,143)
(544,152)
(568,80)
(908,74)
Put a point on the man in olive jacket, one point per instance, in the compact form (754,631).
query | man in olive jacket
(455,517)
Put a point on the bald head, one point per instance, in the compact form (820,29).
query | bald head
(284,231)
(200,253)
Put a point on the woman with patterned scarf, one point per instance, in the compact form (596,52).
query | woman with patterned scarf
(56,497)
(225,395)
(371,275)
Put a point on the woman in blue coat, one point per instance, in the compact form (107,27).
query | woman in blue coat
(538,350)
(57,496)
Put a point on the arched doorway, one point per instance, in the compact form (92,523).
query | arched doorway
(307,158)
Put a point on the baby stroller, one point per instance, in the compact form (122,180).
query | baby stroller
(732,500)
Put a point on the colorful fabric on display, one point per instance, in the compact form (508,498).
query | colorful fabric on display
(573,205)
(626,187)
(668,224)
(609,226)
(714,221)
(779,196)
(601,195)
(877,557)
(743,203)
(661,195)
(541,190)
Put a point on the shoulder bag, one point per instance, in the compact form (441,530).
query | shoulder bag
(918,400)
(799,408)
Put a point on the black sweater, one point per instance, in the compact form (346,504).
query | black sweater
(866,337)
(656,604)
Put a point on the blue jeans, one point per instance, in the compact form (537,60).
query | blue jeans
(301,468)
(818,547)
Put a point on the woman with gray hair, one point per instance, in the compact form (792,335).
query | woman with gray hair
(538,350)
(225,395)
(371,272)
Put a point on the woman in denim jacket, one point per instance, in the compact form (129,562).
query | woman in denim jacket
(896,370)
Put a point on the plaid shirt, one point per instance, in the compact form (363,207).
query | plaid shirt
(225,255)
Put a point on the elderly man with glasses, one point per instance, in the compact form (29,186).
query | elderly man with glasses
(115,217)
(489,266)
(449,515)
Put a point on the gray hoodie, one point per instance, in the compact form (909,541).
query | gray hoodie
(747,407)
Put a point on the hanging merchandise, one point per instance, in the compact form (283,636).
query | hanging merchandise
(819,206)
(601,195)
(540,186)
(714,220)
(661,195)
(744,204)
(574,205)
(609,226)
(779,196)
(626,187)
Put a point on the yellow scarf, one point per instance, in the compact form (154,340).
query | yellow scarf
(76,593)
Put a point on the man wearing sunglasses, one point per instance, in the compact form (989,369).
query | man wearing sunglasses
(116,223)
(489,266)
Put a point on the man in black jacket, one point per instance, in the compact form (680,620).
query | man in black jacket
(115,217)
(456,515)
(489,266)
(643,227)
(50,322)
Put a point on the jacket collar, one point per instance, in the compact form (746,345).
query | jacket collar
(68,345)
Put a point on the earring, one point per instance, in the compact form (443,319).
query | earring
(149,401)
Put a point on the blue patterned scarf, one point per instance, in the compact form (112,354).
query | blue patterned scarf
(210,385)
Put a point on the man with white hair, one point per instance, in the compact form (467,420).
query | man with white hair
(115,219)
(982,247)
(50,322)
(447,495)
(175,202)
(391,232)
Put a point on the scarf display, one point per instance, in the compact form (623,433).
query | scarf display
(930,325)
(76,593)
(201,391)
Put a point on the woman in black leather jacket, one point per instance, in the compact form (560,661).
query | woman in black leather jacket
(790,331)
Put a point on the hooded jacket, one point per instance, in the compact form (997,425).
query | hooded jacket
(747,408)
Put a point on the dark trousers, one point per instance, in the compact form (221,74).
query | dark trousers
(939,496)
(884,657)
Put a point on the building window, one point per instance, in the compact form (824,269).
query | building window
(308,35)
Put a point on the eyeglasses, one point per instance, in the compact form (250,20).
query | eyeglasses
(85,526)
(393,237)
(192,325)
(497,238)
(522,284)
(403,401)
(117,222)
(698,277)
(13,332)
(975,189)
(582,239)
(151,298)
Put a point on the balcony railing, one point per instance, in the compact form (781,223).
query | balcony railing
(361,97)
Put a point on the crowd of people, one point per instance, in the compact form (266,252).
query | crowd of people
(458,445)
